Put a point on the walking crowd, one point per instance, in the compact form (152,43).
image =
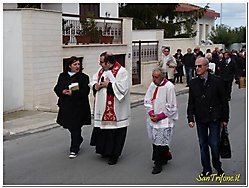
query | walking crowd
(229,65)
(209,77)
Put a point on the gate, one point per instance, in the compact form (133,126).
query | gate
(142,51)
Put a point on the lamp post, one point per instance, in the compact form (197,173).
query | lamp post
(220,13)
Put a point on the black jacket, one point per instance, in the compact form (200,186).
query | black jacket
(179,67)
(228,71)
(240,66)
(207,102)
(74,111)
(189,60)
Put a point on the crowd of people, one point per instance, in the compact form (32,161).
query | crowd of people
(229,65)
(209,77)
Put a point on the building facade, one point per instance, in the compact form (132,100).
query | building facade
(34,54)
(34,51)
(203,25)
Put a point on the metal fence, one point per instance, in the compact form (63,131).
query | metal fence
(142,51)
(71,26)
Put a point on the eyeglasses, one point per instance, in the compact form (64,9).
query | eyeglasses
(166,51)
(100,62)
(200,66)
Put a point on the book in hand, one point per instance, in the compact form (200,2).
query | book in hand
(74,86)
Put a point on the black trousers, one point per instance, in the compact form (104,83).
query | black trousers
(159,154)
(228,88)
(176,79)
(108,142)
(76,140)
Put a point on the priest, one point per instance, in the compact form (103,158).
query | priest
(111,108)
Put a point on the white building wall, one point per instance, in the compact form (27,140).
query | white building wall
(13,82)
(146,72)
(182,43)
(71,8)
(36,41)
(203,22)
(9,5)
(42,41)
(145,35)
(127,39)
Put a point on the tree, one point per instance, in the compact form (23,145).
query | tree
(226,35)
(144,15)
(162,16)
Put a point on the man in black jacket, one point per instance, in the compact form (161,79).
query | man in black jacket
(228,71)
(189,64)
(208,107)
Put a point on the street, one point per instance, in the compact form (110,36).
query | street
(42,158)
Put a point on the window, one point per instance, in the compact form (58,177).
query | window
(89,10)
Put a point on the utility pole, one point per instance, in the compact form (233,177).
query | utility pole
(220,13)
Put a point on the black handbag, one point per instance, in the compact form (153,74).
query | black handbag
(225,147)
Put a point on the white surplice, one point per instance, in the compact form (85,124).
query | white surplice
(120,86)
(161,132)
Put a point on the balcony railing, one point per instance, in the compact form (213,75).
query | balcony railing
(106,27)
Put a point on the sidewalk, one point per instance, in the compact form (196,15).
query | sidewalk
(26,122)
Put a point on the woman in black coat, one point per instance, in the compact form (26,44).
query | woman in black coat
(74,108)
(179,68)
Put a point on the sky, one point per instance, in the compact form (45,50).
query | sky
(231,14)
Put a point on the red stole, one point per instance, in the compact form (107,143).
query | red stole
(156,90)
(109,114)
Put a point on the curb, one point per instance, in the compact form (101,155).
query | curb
(7,135)
(184,91)
(137,93)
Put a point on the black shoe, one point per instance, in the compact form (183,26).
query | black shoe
(104,156)
(165,162)
(113,160)
(220,172)
(157,169)
(206,173)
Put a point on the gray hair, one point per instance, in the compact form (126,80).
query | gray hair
(203,59)
(159,69)
(208,55)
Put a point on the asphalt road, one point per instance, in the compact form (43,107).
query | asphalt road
(42,158)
